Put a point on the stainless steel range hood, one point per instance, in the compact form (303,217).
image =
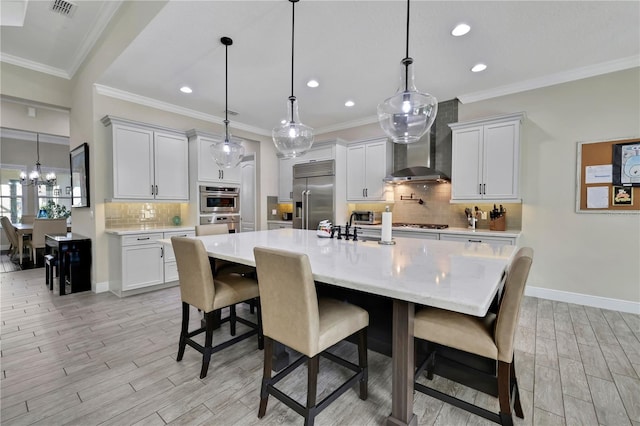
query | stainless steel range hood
(416,174)
(413,163)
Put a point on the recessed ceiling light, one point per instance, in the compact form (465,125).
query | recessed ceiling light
(186,89)
(460,30)
(479,67)
(313,83)
(349,104)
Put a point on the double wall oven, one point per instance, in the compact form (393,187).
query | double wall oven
(220,204)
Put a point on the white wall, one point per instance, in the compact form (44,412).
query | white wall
(590,254)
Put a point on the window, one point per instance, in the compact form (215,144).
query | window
(10,193)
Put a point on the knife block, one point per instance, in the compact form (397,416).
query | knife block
(499,223)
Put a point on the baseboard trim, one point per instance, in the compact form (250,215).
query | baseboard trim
(584,299)
(102,287)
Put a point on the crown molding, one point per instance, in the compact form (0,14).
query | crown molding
(165,106)
(35,66)
(107,11)
(553,79)
(347,125)
(26,135)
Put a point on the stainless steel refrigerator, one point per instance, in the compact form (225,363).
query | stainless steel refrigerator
(313,193)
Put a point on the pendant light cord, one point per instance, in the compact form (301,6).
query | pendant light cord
(407,60)
(292,98)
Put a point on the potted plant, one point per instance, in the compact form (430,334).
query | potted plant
(55,210)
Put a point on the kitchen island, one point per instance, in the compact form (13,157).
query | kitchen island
(446,274)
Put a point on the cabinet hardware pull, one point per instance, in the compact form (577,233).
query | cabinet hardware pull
(161,251)
(142,239)
(156,189)
(480,188)
(366,192)
(475,241)
(152,193)
(484,188)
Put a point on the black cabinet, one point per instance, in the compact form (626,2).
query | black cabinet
(73,252)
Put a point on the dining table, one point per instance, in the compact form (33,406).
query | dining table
(26,230)
(458,276)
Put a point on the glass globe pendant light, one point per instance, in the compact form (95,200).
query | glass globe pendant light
(291,137)
(406,116)
(227,153)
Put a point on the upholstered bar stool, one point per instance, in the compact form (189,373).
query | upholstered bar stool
(294,316)
(490,337)
(199,289)
(223,266)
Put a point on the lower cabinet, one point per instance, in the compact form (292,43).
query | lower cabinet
(170,266)
(479,239)
(138,261)
(279,225)
(412,234)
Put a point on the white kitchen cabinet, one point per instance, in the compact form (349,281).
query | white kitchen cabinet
(142,261)
(415,234)
(201,159)
(485,159)
(170,266)
(471,238)
(319,152)
(148,163)
(279,225)
(367,165)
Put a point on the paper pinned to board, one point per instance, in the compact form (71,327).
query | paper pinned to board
(599,174)
(598,197)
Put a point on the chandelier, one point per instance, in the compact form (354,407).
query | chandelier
(406,116)
(35,178)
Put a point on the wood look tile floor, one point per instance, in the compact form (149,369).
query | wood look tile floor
(90,359)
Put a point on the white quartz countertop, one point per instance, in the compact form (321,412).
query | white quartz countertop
(451,230)
(451,275)
(147,229)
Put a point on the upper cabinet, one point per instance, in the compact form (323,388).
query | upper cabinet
(485,159)
(203,164)
(367,165)
(149,162)
(319,152)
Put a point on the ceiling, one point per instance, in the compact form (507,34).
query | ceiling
(353,48)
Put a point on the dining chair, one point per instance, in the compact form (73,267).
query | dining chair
(12,235)
(293,315)
(199,289)
(490,337)
(27,218)
(219,265)
(42,227)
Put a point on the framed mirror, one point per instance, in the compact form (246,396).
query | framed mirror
(79,158)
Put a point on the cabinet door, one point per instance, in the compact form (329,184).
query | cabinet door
(142,266)
(171,167)
(285,180)
(466,168)
(132,162)
(500,165)
(208,170)
(376,170)
(478,239)
(356,172)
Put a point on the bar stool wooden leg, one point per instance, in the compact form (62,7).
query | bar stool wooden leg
(313,365)
(266,376)
(363,364)
(184,331)
(208,344)
(232,319)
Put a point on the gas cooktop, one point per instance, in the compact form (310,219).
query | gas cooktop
(420,225)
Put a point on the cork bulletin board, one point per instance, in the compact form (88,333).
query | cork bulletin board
(606,177)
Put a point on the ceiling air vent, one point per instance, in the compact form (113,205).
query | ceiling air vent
(63,7)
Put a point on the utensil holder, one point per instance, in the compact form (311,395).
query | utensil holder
(498,224)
